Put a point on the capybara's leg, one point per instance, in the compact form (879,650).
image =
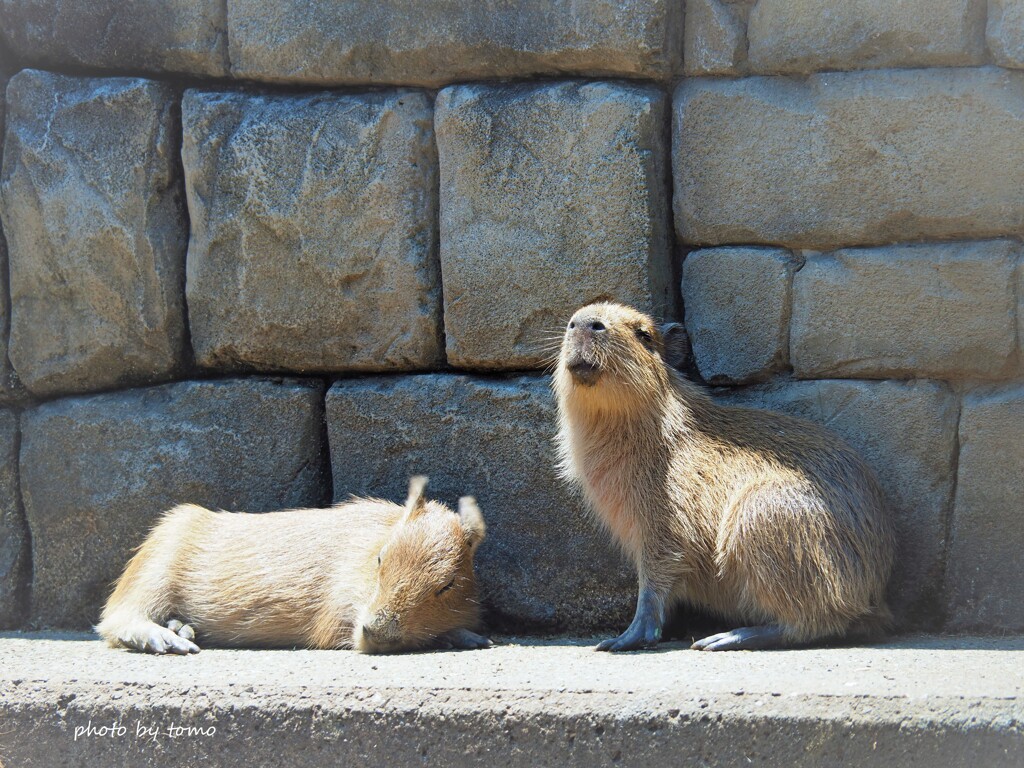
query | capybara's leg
(798,580)
(144,596)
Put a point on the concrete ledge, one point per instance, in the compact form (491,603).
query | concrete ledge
(918,701)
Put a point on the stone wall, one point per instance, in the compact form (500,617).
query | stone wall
(266,254)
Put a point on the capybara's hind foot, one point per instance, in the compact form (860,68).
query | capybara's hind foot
(152,638)
(162,640)
(744,639)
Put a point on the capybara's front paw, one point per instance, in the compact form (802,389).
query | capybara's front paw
(463,639)
(636,638)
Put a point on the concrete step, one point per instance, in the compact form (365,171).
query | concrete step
(67,700)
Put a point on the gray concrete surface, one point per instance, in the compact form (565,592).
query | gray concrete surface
(916,701)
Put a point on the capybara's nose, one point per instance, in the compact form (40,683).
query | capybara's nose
(382,629)
(588,324)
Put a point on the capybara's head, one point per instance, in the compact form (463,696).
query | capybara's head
(614,358)
(425,583)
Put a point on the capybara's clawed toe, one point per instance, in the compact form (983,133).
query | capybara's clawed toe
(161,640)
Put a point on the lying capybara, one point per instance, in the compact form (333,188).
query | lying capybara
(365,574)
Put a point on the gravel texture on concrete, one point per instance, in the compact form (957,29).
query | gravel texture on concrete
(915,701)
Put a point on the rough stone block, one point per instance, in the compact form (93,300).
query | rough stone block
(188,36)
(1005,32)
(1020,312)
(544,565)
(938,310)
(907,432)
(6,58)
(93,211)
(737,303)
(14,542)
(985,580)
(96,472)
(313,231)
(806,35)
(10,387)
(410,42)
(856,158)
(551,197)
(715,37)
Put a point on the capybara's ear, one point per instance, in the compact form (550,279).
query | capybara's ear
(677,345)
(417,502)
(472,521)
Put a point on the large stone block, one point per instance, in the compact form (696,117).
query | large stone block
(938,310)
(807,35)
(907,432)
(551,196)
(188,36)
(985,573)
(715,37)
(14,542)
(314,243)
(96,472)
(737,303)
(93,211)
(1005,32)
(410,42)
(545,565)
(856,158)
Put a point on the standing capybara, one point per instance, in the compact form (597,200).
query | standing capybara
(766,520)
(366,574)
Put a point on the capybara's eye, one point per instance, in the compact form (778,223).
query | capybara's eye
(644,336)
(378,561)
(572,324)
(446,587)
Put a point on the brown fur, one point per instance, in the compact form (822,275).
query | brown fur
(318,578)
(756,516)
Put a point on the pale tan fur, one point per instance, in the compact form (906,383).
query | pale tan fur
(753,515)
(304,577)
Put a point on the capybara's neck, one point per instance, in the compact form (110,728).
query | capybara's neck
(622,408)
(632,430)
